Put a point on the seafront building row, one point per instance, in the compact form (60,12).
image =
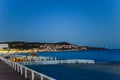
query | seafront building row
(22,47)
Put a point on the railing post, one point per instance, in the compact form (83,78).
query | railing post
(41,77)
(21,70)
(33,75)
(25,72)
(13,65)
(17,68)
(8,63)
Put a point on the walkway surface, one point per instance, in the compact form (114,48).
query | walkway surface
(7,73)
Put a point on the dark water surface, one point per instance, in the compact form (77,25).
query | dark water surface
(112,55)
(80,71)
(106,71)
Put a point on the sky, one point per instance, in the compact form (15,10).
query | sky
(81,22)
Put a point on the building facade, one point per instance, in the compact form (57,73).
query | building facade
(4,46)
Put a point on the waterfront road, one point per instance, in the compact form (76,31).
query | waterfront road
(7,73)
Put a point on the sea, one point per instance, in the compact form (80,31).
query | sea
(107,65)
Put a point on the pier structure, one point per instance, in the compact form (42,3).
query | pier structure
(22,70)
(72,61)
(19,58)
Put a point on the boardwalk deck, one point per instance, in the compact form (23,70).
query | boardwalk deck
(7,73)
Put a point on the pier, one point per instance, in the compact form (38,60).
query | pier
(72,61)
(10,70)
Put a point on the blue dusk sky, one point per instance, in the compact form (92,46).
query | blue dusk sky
(81,22)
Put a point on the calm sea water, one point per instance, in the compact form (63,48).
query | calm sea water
(83,71)
(112,55)
(80,71)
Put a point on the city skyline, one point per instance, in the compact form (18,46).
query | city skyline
(80,22)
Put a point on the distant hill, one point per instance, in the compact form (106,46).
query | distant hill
(48,46)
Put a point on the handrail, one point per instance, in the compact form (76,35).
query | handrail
(20,68)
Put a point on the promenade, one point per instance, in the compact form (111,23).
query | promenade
(7,73)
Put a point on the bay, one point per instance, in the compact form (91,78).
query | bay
(109,70)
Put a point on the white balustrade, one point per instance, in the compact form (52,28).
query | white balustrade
(24,70)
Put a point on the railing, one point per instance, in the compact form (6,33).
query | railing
(26,72)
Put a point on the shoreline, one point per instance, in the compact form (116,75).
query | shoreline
(32,51)
(15,52)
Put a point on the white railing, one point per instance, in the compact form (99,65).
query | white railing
(26,72)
